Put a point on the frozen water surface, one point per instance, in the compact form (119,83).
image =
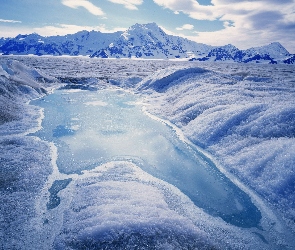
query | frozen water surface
(93,128)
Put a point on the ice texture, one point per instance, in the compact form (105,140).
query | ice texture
(245,118)
(25,166)
(119,206)
(18,85)
(25,162)
(118,129)
(241,115)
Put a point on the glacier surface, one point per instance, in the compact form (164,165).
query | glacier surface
(241,117)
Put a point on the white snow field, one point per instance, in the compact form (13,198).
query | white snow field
(146,154)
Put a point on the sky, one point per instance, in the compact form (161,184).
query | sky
(243,23)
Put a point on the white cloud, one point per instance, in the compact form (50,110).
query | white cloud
(186,27)
(12,31)
(128,4)
(9,21)
(64,29)
(54,30)
(191,8)
(246,23)
(85,4)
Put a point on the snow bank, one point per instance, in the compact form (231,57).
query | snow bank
(20,74)
(25,162)
(25,165)
(18,85)
(245,119)
(119,206)
(161,80)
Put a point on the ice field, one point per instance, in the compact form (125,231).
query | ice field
(146,154)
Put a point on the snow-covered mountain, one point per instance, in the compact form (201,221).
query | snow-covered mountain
(81,43)
(139,41)
(224,53)
(2,41)
(272,53)
(150,41)
(290,60)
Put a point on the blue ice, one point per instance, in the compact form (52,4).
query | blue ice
(92,128)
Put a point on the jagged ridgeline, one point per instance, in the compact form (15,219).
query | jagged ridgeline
(139,41)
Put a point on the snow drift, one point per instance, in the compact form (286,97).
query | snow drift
(25,162)
(244,119)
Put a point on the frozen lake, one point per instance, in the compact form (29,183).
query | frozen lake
(90,128)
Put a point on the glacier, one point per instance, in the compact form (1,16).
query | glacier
(241,117)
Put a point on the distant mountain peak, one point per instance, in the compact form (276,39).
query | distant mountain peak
(151,26)
(274,50)
(276,43)
(279,47)
(145,28)
(140,41)
(145,35)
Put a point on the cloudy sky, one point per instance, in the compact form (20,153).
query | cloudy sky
(243,23)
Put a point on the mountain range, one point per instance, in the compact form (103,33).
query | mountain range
(147,41)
